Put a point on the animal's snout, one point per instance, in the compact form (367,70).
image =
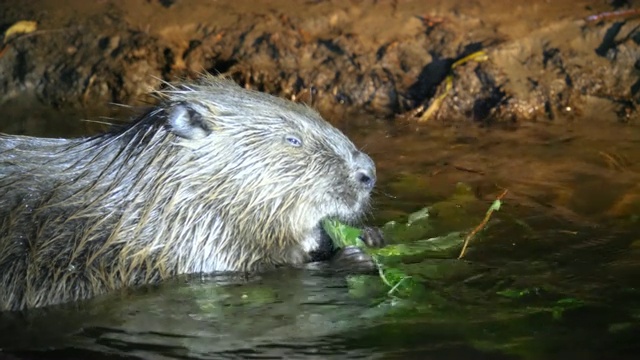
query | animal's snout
(366,178)
(365,170)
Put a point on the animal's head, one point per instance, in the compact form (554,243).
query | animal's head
(268,158)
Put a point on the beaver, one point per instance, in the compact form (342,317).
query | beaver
(215,178)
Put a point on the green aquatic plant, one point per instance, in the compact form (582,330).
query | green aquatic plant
(432,232)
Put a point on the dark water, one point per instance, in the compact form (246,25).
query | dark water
(555,277)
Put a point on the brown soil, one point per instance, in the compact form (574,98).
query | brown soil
(545,61)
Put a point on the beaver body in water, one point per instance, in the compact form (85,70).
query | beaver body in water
(214,178)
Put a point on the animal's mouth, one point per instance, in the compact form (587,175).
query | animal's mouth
(335,225)
(348,212)
(351,217)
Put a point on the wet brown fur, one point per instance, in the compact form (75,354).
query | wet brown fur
(215,178)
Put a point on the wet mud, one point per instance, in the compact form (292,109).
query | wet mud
(542,60)
(562,72)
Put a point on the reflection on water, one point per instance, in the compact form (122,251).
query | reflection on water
(277,314)
(567,231)
(280,314)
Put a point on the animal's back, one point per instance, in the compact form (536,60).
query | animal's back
(57,216)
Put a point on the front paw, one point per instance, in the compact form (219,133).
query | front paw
(353,259)
(372,237)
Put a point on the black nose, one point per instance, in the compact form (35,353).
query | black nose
(365,173)
(366,178)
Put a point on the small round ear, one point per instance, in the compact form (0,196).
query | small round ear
(187,122)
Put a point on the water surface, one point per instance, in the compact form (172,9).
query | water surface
(566,238)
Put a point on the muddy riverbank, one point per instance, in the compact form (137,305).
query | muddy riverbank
(552,275)
(540,60)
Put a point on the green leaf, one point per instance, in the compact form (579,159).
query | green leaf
(342,235)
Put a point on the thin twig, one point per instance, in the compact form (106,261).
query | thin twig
(613,14)
(386,281)
(481,226)
(390,292)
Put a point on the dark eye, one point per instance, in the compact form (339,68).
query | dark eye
(293,140)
